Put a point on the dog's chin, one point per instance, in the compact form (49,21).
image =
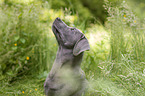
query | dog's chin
(57,34)
(54,29)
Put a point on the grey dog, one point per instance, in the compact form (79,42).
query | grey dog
(66,78)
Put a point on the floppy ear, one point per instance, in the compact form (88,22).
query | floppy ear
(80,46)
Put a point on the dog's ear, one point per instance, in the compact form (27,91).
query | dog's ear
(81,45)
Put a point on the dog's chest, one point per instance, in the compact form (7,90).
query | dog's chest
(66,57)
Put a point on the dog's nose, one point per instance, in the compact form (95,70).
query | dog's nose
(58,19)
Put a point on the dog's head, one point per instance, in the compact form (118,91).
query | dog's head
(70,37)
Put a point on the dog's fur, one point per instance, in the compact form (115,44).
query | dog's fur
(66,77)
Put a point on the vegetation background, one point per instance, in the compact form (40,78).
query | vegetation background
(115,65)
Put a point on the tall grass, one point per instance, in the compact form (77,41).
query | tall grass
(114,66)
(24,42)
(121,72)
(27,46)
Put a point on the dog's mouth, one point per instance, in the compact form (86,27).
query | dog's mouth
(59,36)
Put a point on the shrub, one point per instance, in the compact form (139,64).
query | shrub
(23,41)
(27,44)
(121,72)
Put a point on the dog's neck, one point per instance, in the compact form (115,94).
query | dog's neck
(65,57)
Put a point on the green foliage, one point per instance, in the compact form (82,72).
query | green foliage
(121,73)
(23,42)
(138,6)
(74,5)
(96,9)
(115,65)
(126,32)
(27,86)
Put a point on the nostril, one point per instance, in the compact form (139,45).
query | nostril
(58,18)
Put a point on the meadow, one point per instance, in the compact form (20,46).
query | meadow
(114,66)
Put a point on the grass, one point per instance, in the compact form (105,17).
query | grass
(115,65)
(27,86)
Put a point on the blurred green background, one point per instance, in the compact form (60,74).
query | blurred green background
(115,65)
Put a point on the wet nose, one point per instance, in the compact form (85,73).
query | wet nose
(58,19)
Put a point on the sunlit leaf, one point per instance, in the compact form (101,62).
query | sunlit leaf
(16,38)
(23,40)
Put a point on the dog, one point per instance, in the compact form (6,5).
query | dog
(66,78)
